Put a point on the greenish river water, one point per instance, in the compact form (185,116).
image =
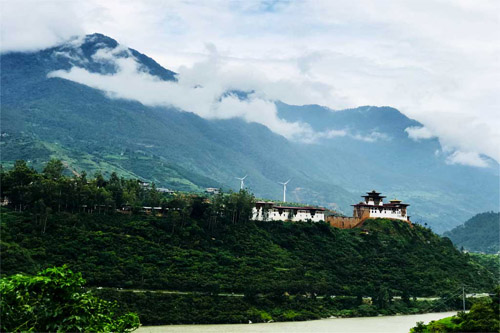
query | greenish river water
(387,324)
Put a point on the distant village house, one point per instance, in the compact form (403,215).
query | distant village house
(212,190)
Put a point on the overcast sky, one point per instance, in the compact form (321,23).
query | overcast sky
(436,61)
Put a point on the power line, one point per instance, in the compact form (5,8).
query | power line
(447,299)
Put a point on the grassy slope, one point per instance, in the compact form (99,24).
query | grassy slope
(126,164)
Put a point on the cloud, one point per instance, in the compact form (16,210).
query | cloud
(467,158)
(434,60)
(29,26)
(201,90)
(372,137)
(332,134)
(419,133)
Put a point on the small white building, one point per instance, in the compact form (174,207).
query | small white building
(212,190)
(374,207)
(268,211)
(165,190)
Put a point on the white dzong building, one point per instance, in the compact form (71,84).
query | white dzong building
(269,211)
(374,207)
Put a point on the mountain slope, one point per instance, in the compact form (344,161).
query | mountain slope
(478,234)
(147,252)
(376,152)
(45,117)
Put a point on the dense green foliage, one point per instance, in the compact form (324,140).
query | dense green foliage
(489,261)
(484,316)
(481,233)
(157,308)
(209,246)
(46,117)
(51,191)
(54,301)
(218,249)
(214,254)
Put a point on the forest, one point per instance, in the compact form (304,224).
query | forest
(481,233)
(202,248)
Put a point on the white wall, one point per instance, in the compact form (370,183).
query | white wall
(274,215)
(387,213)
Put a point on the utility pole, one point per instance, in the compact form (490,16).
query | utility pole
(463,297)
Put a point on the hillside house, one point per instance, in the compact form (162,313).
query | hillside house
(212,190)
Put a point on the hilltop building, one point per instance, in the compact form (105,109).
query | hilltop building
(373,206)
(269,211)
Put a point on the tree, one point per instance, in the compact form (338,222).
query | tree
(53,169)
(238,206)
(16,184)
(483,317)
(153,196)
(54,300)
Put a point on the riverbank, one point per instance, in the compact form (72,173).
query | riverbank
(160,308)
(382,324)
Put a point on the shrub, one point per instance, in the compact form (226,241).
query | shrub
(54,300)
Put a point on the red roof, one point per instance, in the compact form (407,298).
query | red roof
(388,205)
(259,203)
(299,208)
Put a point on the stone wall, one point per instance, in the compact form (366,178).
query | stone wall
(344,222)
(352,222)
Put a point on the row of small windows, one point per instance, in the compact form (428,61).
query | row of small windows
(288,211)
(384,211)
(276,213)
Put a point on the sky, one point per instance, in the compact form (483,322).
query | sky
(437,61)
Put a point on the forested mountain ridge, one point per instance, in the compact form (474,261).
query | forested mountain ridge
(202,249)
(46,117)
(211,244)
(193,254)
(480,233)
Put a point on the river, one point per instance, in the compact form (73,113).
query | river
(387,324)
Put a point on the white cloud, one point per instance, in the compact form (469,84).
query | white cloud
(332,134)
(467,158)
(417,133)
(372,137)
(201,90)
(33,25)
(435,60)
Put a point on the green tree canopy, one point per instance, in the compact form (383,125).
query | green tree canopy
(54,169)
(54,300)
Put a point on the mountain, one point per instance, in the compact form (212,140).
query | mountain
(481,233)
(377,153)
(364,148)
